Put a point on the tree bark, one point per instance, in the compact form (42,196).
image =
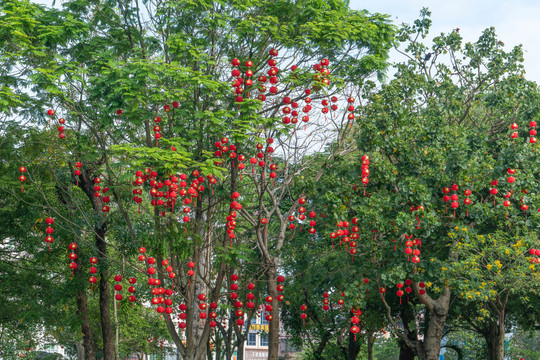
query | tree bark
(89,352)
(80,350)
(353,348)
(105,295)
(495,338)
(273,332)
(432,338)
(405,353)
(370,345)
(88,337)
(100,228)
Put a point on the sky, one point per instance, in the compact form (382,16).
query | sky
(516,22)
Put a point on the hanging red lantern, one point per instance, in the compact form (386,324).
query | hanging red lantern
(355,330)
(22,178)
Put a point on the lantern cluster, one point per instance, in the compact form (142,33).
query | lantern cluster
(202,306)
(106,200)
(190,272)
(169,269)
(350,109)
(157,127)
(454,197)
(532,132)
(182,317)
(514,127)
(346,236)
(467,201)
(72,257)
(535,253)
(303,315)
(49,231)
(92,279)
(511,180)
(409,248)
(355,320)
(494,191)
(224,151)
(365,171)
(268,308)
(118,287)
(61,133)
(250,296)
(408,289)
(131,290)
(97,189)
(280,288)
(231,218)
(78,172)
(213,314)
(22,177)
(238,305)
(326,302)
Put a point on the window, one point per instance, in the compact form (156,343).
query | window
(254,319)
(252,339)
(263,339)
(263,318)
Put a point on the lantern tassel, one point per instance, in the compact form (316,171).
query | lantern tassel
(467,212)
(352,258)
(354,337)
(400,300)
(454,214)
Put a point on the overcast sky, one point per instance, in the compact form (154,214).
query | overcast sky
(516,22)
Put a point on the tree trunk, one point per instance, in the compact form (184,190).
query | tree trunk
(240,348)
(80,350)
(495,338)
(405,353)
(273,333)
(354,347)
(100,228)
(432,338)
(370,345)
(105,296)
(89,352)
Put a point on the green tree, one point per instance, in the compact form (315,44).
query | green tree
(87,60)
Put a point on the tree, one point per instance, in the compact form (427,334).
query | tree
(436,128)
(90,60)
